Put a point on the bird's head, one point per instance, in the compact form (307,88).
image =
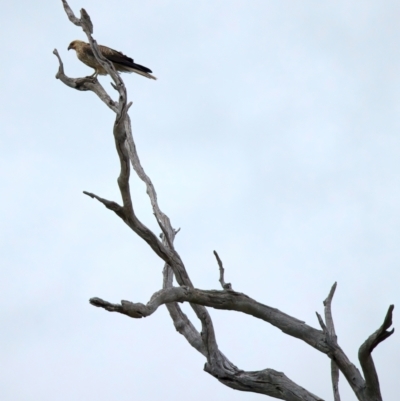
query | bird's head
(74,44)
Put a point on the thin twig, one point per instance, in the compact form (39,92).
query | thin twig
(225,286)
(332,335)
(321,323)
(328,311)
(114,206)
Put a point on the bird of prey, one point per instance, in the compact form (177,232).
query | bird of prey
(121,62)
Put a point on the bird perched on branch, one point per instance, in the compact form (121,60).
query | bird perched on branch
(121,62)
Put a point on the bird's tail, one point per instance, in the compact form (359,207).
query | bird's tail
(145,74)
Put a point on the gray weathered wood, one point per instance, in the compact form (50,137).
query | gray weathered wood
(225,286)
(372,388)
(331,329)
(268,381)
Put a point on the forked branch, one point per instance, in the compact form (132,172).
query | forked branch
(267,381)
(372,388)
(84,84)
(339,360)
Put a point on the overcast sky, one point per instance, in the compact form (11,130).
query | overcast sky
(271,135)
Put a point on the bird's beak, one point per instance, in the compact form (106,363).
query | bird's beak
(69,47)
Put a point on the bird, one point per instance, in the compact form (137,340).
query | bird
(121,62)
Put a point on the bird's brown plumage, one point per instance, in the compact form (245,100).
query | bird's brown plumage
(121,62)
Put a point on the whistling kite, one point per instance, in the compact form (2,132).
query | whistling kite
(121,62)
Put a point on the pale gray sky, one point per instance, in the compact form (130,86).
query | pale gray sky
(272,136)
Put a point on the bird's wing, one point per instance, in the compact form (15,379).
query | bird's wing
(120,58)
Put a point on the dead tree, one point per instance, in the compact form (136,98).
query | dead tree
(268,381)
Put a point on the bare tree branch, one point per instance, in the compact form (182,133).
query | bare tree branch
(335,380)
(174,260)
(165,233)
(85,84)
(236,301)
(71,14)
(328,311)
(337,355)
(225,286)
(119,210)
(86,21)
(182,323)
(372,389)
(268,381)
(331,329)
